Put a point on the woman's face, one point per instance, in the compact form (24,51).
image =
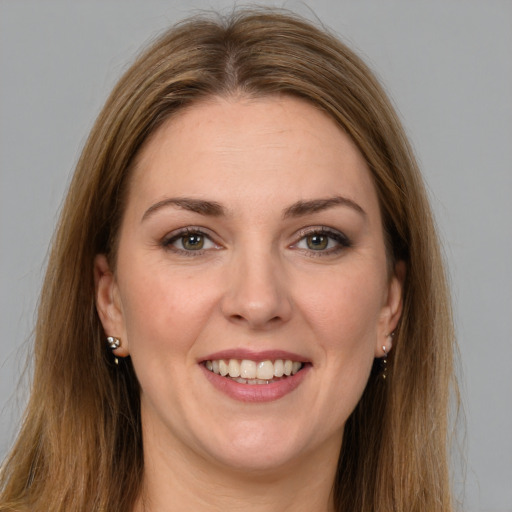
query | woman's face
(252,236)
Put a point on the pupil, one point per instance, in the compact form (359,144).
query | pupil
(317,242)
(193,242)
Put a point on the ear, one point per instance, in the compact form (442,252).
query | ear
(108,303)
(391,310)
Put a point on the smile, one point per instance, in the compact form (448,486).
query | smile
(247,371)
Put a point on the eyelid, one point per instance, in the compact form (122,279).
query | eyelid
(175,235)
(342,240)
(325,230)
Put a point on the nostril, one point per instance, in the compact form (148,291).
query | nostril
(241,318)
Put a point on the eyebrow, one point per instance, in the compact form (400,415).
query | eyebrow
(214,209)
(210,208)
(316,205)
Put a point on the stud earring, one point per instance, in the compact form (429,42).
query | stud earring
(114,343)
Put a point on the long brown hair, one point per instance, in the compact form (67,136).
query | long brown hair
(80,447)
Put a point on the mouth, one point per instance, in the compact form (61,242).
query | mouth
(249,376)
(247,371)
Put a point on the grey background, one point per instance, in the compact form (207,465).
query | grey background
(447,65)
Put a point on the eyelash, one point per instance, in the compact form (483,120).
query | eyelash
(341,240)
(168,241)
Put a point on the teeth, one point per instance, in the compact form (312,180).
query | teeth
(279,368)
(252,372)
(265,370)
(234,368)
(295,367)
(251,381)
(223,368)
(248,369)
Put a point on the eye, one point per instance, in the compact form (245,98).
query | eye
(192,242)
(317,242)
(189,240)
(322,240)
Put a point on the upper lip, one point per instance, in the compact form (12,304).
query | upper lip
(252,355)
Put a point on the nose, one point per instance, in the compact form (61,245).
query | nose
(257,292)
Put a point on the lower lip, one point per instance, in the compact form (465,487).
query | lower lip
(256,392)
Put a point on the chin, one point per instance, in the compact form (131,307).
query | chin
(258,446)
(258,461)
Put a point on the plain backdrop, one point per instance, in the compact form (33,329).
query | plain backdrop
(447,65)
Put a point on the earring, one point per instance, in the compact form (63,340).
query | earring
(385,358)
(384,363)
(114,343)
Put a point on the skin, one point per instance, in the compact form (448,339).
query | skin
(257,285)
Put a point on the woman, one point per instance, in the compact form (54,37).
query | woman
(245,236)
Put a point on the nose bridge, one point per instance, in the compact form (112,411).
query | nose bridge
(256,292)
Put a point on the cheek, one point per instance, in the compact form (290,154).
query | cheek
(344,309)
(343,312)
(164,311)
(346,324)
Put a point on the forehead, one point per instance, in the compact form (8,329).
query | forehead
(270,151)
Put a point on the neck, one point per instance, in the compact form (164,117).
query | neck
(183,482)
